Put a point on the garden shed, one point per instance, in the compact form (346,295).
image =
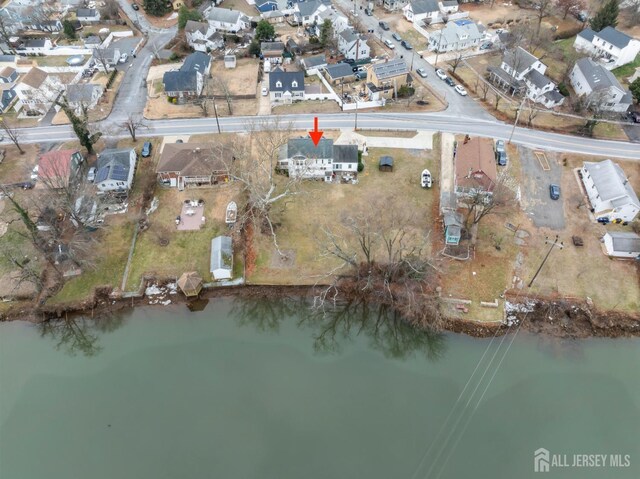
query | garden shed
(386,163)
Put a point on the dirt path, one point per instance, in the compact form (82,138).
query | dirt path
(447,173)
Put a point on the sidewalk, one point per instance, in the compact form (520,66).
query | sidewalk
(447,174)
(422,141)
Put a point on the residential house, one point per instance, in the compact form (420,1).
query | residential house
(115,170)
(353,45)
(272,51)
(56,169)
(457,35)
(202,37)
(8,75)
(106,57)
(185,165)
(475,167)
(292,47)
(273,16)
(228,20)
(622,244)
(302,159)
(383,79)
(453,226)
(88,15)
(188,81)
(520,72)
(612,46)
(266,6)
(600,88)
(339,73)
(221,264)
(423,12)
(610,193)
(338,21)
(49,26)
(92,41)
(394,5)
(286,87)
(314,64)
(84,95)
(35,45)
(7,96)
(36,91)
(308,13)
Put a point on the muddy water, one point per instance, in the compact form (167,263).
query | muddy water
(256,389)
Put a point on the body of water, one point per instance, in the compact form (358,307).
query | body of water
(261,389)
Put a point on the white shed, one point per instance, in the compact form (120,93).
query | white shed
(221,258)
(622,244)
(229,61)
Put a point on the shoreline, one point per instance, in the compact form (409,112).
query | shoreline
(554,317)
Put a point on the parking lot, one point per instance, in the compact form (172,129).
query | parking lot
(537,175)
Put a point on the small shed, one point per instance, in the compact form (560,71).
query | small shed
(386,163)
(452,227)
(229,61)
(622,244)
(221,258)
(190,283)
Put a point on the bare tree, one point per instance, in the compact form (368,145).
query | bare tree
(532,113)
(224,87)
(5,32)
(133,123)
(573,6)
(12,133)
(101,55)
(481,201)
(454,63)
(484,89)
(110,10)
(543,10)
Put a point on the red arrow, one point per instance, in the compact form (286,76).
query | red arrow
(315,134)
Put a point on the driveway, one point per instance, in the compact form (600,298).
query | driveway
(537,176)
(633,132)
(264,102)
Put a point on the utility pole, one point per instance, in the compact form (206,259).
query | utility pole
(553,245)
(412,57)
(356,125)
(435,65)
(215,111)
(515,123)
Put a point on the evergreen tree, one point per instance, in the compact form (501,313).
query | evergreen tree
(326,32)
(69,30)
(265,31)
(184,15)
(607,16)
(634,88)
(157,8)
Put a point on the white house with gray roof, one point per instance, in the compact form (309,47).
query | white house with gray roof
(353,45)
(302,159)
(599,86)
(115,170)
(622,244)
(202,37)
(84,95)
(521,73)
(457,35)
(308,13)
(286,87)
(610,193)
(613,47)
(428,11)
(228,20)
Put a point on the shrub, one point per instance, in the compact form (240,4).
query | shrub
(174,57)
(112,78)
(562,88)
(360,166)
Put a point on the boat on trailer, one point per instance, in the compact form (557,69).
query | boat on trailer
(232,213)
(425,179)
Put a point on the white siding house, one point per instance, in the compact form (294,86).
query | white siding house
(228,20)
(457,35)
(36,91)
(612,47)
(353,46)
(622,244)
(600,87)
(610,193)
(301,158)
(286,87)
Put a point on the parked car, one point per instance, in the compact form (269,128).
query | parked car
(634,117)
(358,69)
(460,90)
(554,192)
(368,12)
(449,81)
(34,173)
(396,37)
(146,149)
(501,153)
(422,72)
(388,43)
(350,61)
(135,6)
(441,74)
(91,175)
(486,45)
(124,57)
(384,26)
(265,91)
(361,75)
(406,44)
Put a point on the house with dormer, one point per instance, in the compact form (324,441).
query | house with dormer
(457,35)
(599,86)
(286,87)
(353,45)
(611,46)
(202,37)
(301,158)
(521,73)
(232,21)
(8,75)
(36,91)
(308,13)
(425,11)
(188,81)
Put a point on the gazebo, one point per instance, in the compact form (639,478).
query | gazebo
(386,163)
(190,283)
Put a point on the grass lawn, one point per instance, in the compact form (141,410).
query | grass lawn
(54,60)
(311,106)
(625,71)
(610,131)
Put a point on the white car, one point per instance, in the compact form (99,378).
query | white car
(422,72)
(388,44)
(265,91)
(34,173)
(123,58)
(441,74)
(460,89)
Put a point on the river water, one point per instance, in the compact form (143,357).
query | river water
(262,389)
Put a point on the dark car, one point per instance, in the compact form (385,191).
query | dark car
(486,45)
(368,12)
(406,44)
(135,6)
(449,81)
(634,116)
(554,192)
(501,158)
(350,61)
(384,26)
(146,149)
(396,37)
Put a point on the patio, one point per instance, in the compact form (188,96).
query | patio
(191,217)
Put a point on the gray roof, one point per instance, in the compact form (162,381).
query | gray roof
(308,8)
(452,218)
(625,242)
(7,58)
(225,15)
(92,40)
(615,37)
(286,80)
(81,91)
(113,164)
(315,61)
(450,3)
(192,26)
(86,12)
(587,34)
(537,78)
(424,6)
(386,161)
(611,181)
(597,76)
(339,70)
(197,61)
(453,33)
(221,253)
(35,43)
(326,149)
(390,69)
(519,59)
(272,46)
(349,35)
(180,81)
(554,95)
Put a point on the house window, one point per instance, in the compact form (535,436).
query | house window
(294,84)
(337,166)
(278,84)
